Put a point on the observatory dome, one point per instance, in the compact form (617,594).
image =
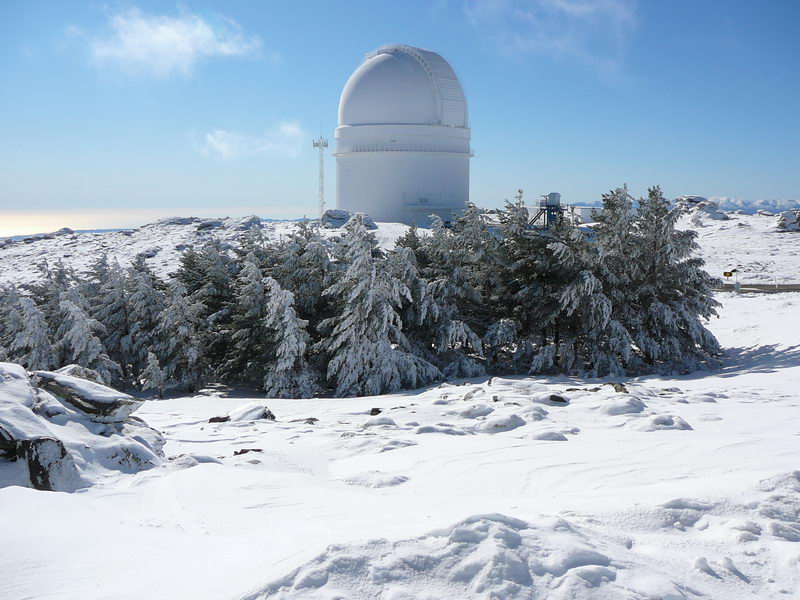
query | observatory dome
(403,85)
(402,145)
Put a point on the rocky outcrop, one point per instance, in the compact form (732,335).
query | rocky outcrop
(99,402)
(66,431)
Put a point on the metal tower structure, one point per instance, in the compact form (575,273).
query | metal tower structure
(321,143)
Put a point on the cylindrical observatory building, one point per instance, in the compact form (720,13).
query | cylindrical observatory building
(402,145)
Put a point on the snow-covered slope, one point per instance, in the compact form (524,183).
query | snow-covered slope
(161,243)
(751,242)
(680,487)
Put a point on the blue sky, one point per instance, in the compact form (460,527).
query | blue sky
(115,114)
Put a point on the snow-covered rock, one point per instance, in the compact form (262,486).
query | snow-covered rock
(252,411)
(624,405)
(498,424)
(99,402)
(700,208)
(61,446)
(336,218)
(662,422)
(242,223)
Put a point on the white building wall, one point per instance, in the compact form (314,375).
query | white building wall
(402,173)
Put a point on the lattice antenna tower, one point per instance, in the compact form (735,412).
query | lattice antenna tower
(321,143)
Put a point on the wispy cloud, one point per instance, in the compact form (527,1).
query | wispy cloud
(163,46)
(284,140)
(590,32)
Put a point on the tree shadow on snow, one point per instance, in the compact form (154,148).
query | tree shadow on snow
(767,358)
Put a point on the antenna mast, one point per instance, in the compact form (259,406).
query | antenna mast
(321,143)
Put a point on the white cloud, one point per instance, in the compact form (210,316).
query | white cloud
(163,46)
(284,140)
(591,32)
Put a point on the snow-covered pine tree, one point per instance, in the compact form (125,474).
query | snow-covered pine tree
(110,306)
(616,242)
(95,277)
(79,342)
(247,353)
(671,292)
(215,296)
(418,310)
(145,304)
(31,345)
(302,269)
(218,271)
(153,377)
(180,349)
(191,272)
(586,338)
(458,348)
(11,321)
(362,340)
(47,292)
(288,374)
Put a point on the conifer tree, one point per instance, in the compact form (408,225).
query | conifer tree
(287,374)
(458,348)
(180,349)
(31,345)
(247,354)
(671,293)
(153,377)
(145,304)
(110,306)
(79,342)
(11,321)
(361,341)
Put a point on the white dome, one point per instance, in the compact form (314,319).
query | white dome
(403,85)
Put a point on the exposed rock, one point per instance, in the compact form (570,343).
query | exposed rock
(100,403)
(149,252)
(558,399)
(50,466)
(618,387)
(246,450)
(242,223)
(223,419)
(251,412)
(55,458)
(374,411)
(207,224)
(334,218)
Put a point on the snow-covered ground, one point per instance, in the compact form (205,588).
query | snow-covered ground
(753,243)
(161,242)
(682,487)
